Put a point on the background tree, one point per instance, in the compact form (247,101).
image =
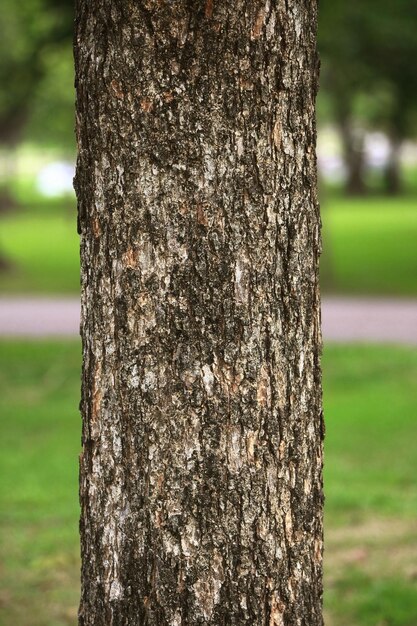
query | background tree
(342,36)
(392,44)
(36,71)
(369,78)
(32,30)
(200,236)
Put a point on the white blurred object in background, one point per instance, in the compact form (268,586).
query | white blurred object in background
(55,179)
(377,150)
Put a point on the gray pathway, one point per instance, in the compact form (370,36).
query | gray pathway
(370,320)
(39,317)
(344,319)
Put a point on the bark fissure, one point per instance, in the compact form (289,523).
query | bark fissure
(200,476)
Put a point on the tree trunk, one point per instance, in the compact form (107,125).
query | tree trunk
(353,149)
(201,466)
(392,173)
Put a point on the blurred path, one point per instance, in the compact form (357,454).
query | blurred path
(344,319)
(39,317)
(373,320)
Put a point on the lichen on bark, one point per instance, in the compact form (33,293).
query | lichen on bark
(200,475)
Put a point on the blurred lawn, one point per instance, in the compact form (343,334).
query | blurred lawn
(369,248)
(39,445)
(43,252)
(371,505)
(370,398)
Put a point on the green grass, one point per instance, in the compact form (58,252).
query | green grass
(369,248)
(39,435)
(371,492)
(371,411)
(371,505)
(43,253)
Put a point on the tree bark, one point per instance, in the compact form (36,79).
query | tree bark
(201,469)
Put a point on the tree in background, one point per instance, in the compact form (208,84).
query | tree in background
(341,40)
(391,48)
(33,32)
(201,466)
(368,75)
(36,99)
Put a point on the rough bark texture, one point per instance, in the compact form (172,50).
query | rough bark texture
(201,487)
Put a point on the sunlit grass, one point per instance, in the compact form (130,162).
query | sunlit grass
(39,435)
(370,246)
(42,251)
(371,414)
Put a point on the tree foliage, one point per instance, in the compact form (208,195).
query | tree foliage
(368,74)
(35,68)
